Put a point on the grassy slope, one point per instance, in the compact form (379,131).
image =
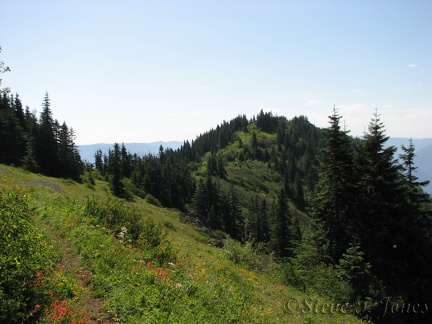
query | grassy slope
(251,177)
(115,281)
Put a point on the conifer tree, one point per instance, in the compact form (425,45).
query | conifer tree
(126,162)
(70,164)
(263,234)
(418,230)
(415,192)
(46,141)
(333,202)
(99,164)
(252,221)
(382,218)
(282,234)
(233,218)
(201,201)
(115,171)
(31,125)
(12,139)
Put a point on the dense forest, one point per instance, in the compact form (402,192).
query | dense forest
(37,144)
(343,216)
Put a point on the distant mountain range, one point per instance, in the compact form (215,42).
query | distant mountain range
(423,159)
(87,152)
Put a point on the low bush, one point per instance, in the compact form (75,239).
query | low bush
(152,200)
(247,256)
(30,279)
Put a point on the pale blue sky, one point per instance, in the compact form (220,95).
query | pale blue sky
(143,71)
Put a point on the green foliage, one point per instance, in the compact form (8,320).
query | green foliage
(21,253)
(290,275)
(152,200)
(333,204)
(29,281)
(120,218)
(246,255)
(162,277)
(366,209)
(37,145)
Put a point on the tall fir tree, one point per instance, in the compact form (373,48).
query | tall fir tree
(233,218)
(115,166)
(46,141)
(70,164)
(418,231)
(333,202)
(382,218)
(282,232)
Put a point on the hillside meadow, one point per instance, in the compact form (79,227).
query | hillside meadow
(73,253)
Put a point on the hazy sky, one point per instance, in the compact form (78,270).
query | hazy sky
(143,71)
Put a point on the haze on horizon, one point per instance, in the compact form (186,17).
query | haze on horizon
(144,71)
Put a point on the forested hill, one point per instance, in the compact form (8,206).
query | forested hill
(325,205)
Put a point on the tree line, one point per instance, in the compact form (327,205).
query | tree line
(37,144)
(372,222)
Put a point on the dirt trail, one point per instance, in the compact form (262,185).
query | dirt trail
(93,305)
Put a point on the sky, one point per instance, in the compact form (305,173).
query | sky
(144,71)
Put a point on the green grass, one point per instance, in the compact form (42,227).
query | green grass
(134,262)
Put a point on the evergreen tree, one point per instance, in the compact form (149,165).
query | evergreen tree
(282,234)
(233,218)
(208,203)
(251,220)
(70,164)
(382,217)
(99,164)
(115,171)
(126,162)
(31,125)
(12,143)
(46,141)
(333,202)
(263,233)
(415,194)
(201,201)
(418,231)
(19,112)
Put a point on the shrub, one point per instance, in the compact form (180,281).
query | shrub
(246,255)
(141,231)
(291,276)
(21,257)
(152,200)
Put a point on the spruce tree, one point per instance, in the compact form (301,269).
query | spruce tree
(115,171)
(12,143)
(282,234)
(333,201)
(70,164)
(46,141)
(382,217)
(263,223)
(233,218)
(418,232)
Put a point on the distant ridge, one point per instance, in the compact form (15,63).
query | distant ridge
(87,151)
